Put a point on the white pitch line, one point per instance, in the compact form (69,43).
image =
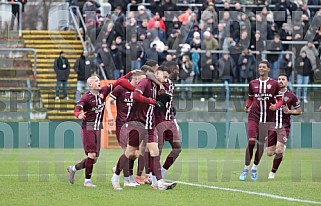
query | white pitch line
(251,193)
(290,199)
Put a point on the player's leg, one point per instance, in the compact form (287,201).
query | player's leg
(93,149)
(278,157)
(141,164)
(89,142)
(252,133)
(282,137)
(123,161)
(262,134)
(155,165)
(173,138)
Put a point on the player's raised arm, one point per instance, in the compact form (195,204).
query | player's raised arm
(110,117)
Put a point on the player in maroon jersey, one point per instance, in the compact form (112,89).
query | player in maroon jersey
(261,106)
(90,109)
(140,127)
(172,136)
(277,138)
(166,125)
(124,103)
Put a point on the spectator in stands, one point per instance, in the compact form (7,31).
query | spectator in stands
(209,16)
(272,28)
(109,34)
(209,42)
(228,42)
(274,46)
(15,12)
(131,28)
(209,74)
(186,75)
(244,40)
(258,45)
(303,68)
(228,24)
(155,6)
(151,53)
(314,3)
(90,6)
(157,31)
(281,8)
(285,35)
(142,14)
(84,67)
(172,39)
(169,10)
(312,54)
(62,70)
(135,53)
(261,26)
(196,43)
(286,66)
(185,16)
(226,68)
(247,65)
(120,44)
(142,28)
(118,17)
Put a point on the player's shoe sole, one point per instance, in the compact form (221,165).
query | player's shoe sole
(171,186)
(89,184)
(116,185)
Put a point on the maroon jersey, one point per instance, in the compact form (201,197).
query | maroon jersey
(263,93)
(124,103)
(166,115)
(291,101)
(142,112)
(93,106)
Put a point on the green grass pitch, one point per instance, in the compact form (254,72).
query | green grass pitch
(39,177)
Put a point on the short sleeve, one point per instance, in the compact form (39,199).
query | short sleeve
(277,90)
(82,101)
(116,92)
(106,90)
(295,102)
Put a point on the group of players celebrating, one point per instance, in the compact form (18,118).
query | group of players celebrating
(145,119)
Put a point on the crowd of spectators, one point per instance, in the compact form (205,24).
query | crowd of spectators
(220,40)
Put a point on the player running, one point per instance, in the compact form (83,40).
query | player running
(277,138)
(261,107)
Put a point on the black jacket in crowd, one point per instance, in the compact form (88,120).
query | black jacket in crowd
(62,68)
(84,67)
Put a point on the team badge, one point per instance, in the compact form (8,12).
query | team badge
(286,99)
(269,86)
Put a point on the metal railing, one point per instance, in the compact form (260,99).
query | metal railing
(179,5)
(26,50)
(77,24)
(228,88)
(20,14)
(29,134)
